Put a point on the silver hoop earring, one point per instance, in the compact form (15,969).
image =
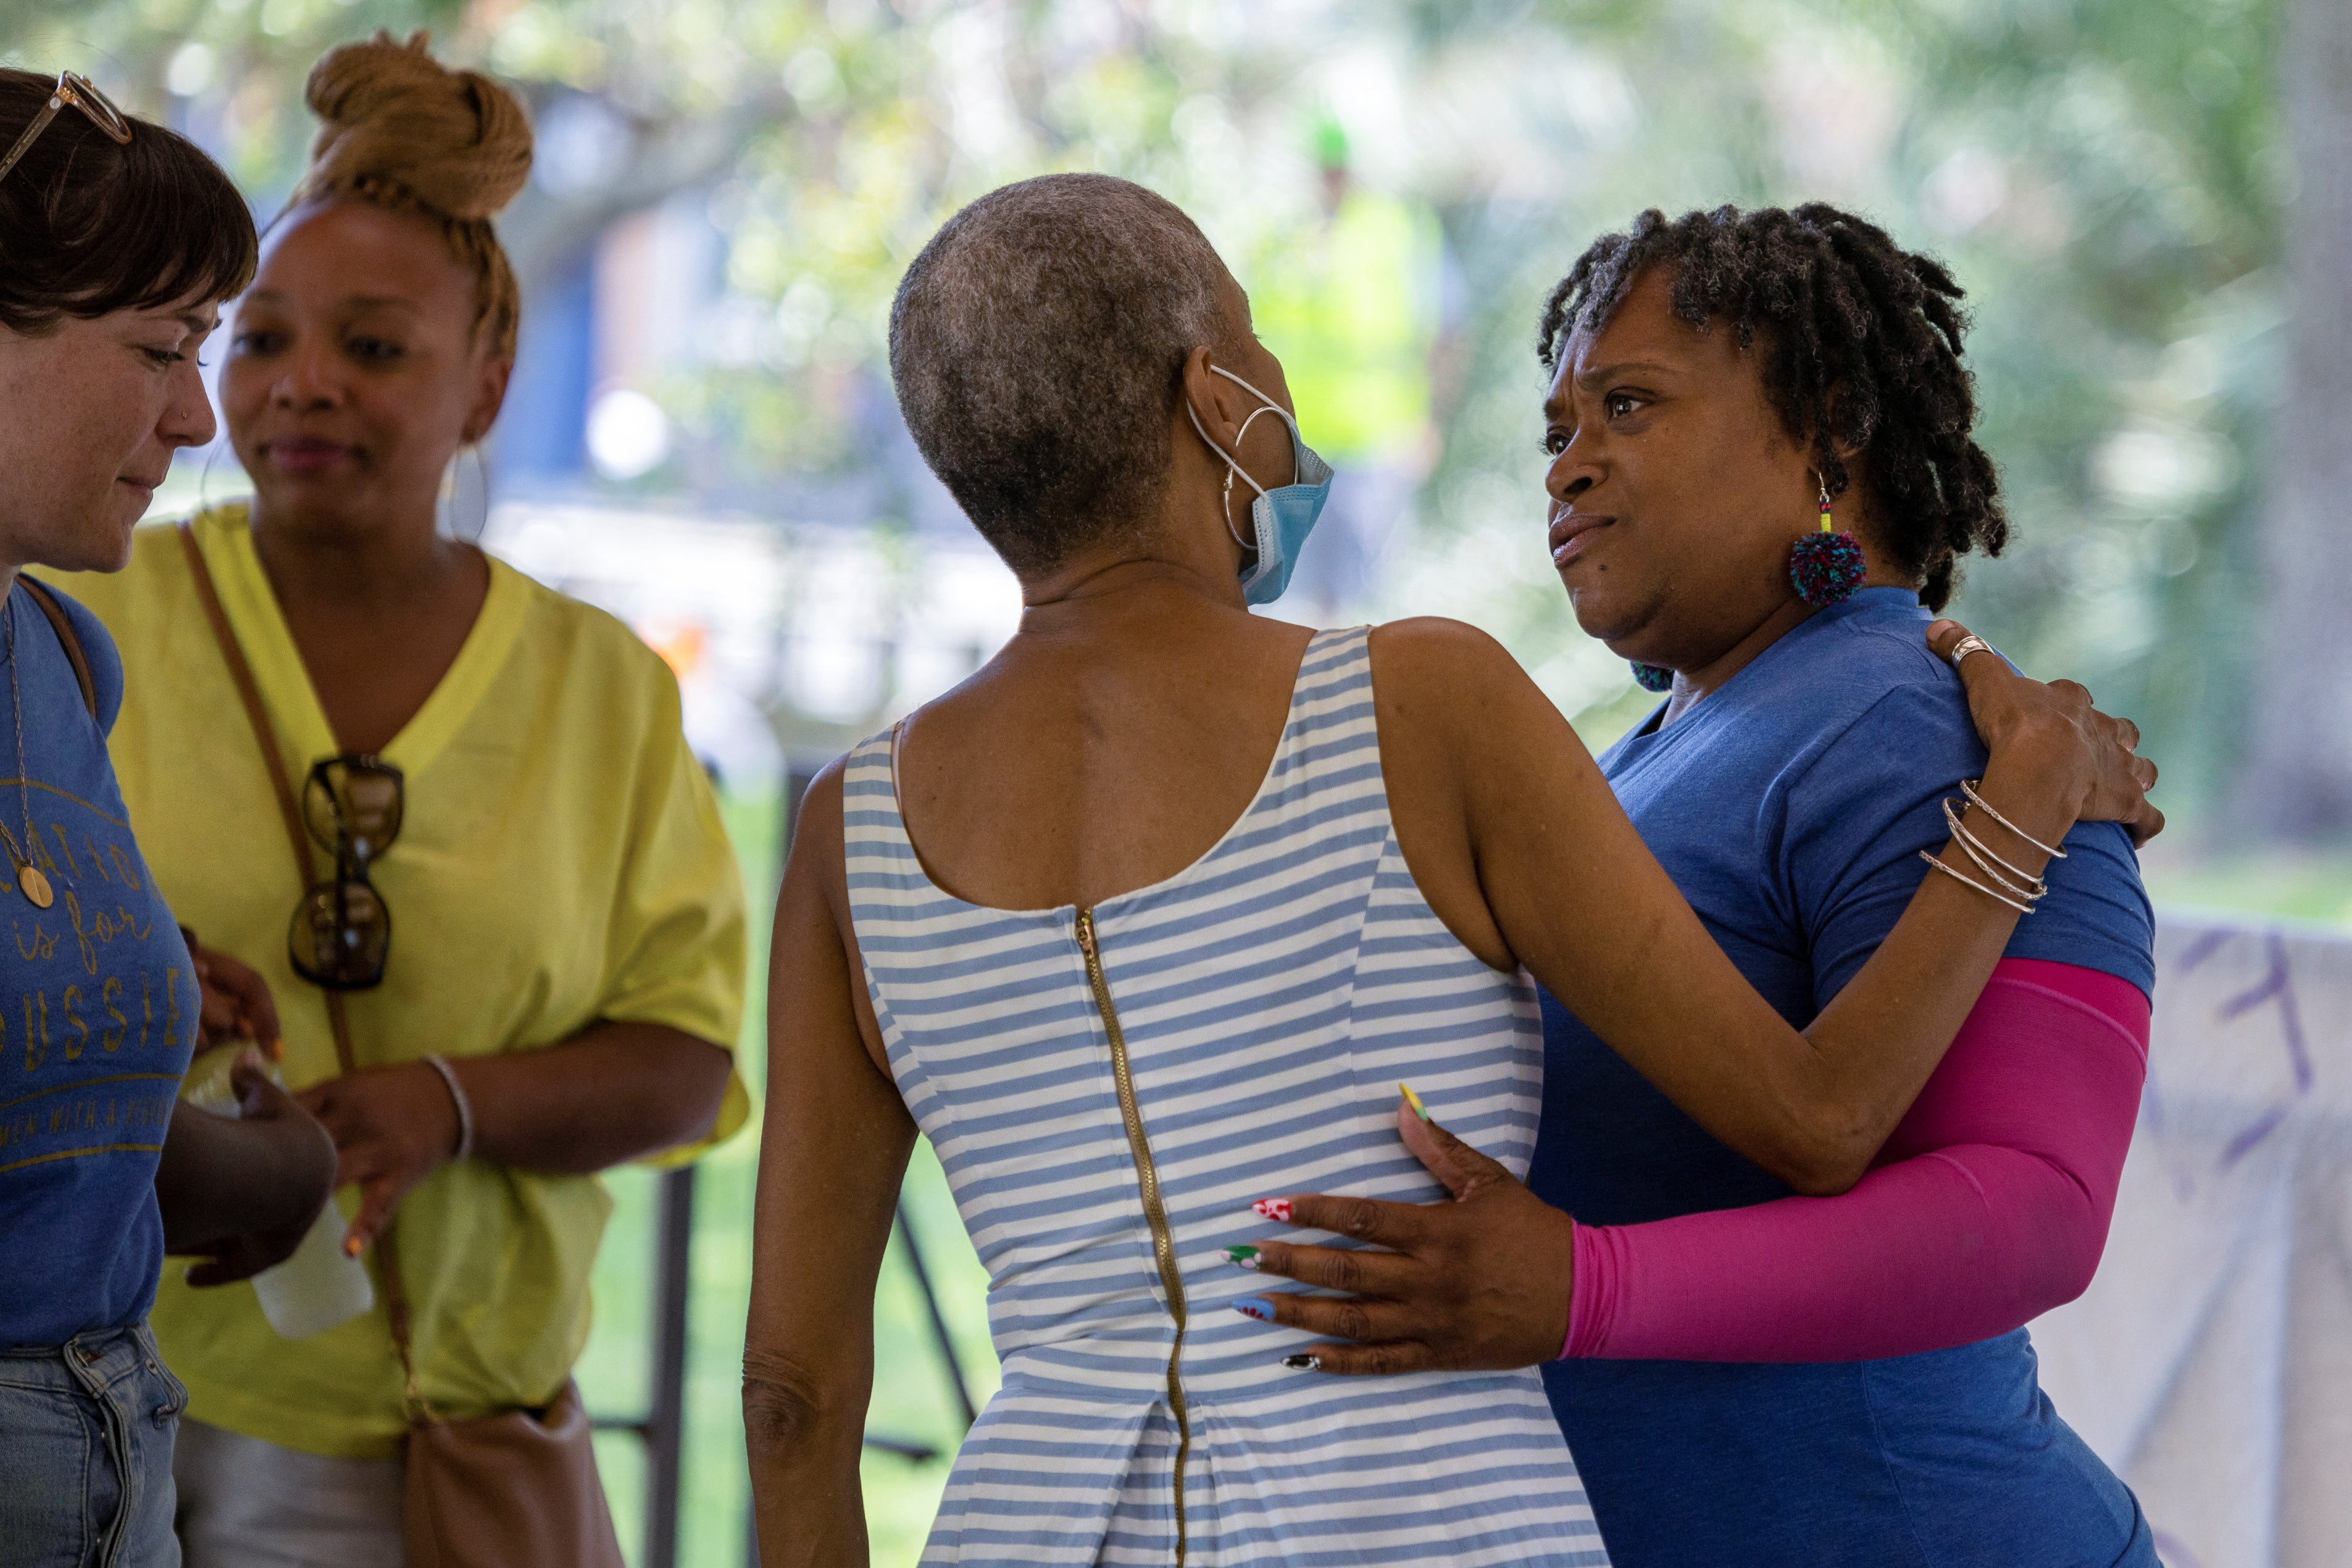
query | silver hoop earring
(482,482)
(450,489)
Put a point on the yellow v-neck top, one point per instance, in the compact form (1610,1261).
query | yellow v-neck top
(561,861)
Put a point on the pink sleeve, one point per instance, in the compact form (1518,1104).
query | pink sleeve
(1987,1206)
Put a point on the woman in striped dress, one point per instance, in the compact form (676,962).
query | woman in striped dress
(1149,918)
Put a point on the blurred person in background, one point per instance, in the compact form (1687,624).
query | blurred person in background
(1753,1375)
(118,242)
(498,768)
(1159,906)
(1351,303)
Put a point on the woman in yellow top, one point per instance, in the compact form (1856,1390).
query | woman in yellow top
(498,769)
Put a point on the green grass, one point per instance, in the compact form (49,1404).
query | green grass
(912,1398)
(2301,885)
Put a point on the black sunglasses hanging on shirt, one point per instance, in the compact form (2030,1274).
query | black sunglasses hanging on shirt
(342,931)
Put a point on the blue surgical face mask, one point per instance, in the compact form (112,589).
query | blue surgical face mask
(1283,517)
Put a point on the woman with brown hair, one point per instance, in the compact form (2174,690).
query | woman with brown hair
(119,241)
(512,952)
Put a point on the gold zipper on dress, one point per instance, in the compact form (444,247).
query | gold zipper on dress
(1155,1213)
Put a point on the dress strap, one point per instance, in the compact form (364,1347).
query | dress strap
(869,792)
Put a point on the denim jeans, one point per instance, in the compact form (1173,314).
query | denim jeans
(86,1454)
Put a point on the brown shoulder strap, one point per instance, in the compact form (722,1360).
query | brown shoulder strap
(396,1300)
(241,674)
(63,626)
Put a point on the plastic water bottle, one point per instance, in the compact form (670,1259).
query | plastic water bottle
(317,1287)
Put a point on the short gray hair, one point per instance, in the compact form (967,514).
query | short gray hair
(1038,345)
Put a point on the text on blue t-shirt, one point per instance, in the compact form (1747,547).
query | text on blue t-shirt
(98,1007)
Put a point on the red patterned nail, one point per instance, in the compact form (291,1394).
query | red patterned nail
(1275,1209)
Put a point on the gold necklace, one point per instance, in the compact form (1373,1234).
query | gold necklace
(29,880)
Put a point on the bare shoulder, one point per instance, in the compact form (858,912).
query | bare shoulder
(815,941)
(1447,675)
(1428,643)
(1433,685)
(816,825)
(817,865)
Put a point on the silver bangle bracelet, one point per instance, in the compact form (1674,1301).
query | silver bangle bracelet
(2022,908)
(2025,885)
(457,1097)
(1969,788)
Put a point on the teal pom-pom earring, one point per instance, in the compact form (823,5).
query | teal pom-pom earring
(1827,567)
(1653,677)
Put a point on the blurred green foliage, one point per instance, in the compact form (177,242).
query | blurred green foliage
(2106,177)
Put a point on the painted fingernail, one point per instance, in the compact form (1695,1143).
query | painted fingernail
(277,1050)
(1275,1209)
(1243,1258)
(354,1245)
(1414,1100)
(1303,1362)
(1258,1306)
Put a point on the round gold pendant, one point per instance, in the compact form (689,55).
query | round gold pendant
(36,886)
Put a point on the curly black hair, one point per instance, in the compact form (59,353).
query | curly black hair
(1863,349)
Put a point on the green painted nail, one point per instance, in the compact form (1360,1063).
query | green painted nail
(1243,1258)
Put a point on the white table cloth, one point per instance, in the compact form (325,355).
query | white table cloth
(2211,1362)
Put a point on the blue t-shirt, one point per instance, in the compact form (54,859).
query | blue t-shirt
(98,1008)
(1789,807)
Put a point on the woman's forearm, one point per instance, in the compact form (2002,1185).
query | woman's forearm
(834,1143)
(614,1092)
(1993,1209)
(804,1431)
(1579,899)
(218,1177)
(1866,1056)
(1943,1250)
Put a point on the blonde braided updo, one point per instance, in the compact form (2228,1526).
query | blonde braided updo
(401,131)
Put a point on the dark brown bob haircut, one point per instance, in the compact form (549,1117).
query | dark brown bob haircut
(88,227)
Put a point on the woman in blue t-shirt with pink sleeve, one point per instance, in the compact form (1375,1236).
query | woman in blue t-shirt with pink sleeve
(1762,475)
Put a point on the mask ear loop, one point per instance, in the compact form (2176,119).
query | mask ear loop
(1232,467)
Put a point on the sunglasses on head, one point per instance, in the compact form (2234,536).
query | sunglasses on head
(76,92)
(342,931)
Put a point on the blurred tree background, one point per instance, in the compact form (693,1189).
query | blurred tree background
(2163,334)
(2107,177)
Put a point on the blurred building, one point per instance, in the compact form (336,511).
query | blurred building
(798,614)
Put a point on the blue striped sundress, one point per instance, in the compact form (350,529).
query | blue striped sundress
(1108,1089)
